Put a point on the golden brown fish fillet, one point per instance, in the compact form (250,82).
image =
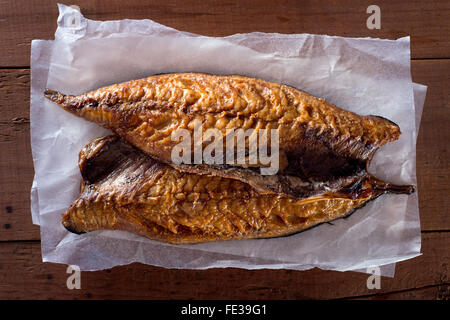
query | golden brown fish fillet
(124,189)
(322,147)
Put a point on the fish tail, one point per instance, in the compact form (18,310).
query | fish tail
(386,187)
(52,95)
(62,100)
(73,104)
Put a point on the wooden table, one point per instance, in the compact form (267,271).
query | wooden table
(24,276)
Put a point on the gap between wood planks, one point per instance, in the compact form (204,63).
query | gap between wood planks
(396,292)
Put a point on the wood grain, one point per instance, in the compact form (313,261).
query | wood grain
(24,276)
(426,21)
(16,171)
(16,166)
(433,152)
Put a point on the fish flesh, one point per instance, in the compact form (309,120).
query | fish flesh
(125,189)
(322,148)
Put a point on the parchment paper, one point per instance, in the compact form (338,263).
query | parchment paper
(367,76)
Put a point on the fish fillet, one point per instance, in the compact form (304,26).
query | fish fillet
(125,189)
(322,148)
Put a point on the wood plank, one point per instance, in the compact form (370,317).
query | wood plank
(426,21)
(16,166)
(24,276)
(433,152)
(16,171)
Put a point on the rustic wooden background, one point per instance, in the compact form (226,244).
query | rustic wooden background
(24,276)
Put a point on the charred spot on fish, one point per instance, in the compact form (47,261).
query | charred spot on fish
(91,103)
(186,109)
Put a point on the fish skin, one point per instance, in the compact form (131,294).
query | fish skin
(145,112)
(125,189)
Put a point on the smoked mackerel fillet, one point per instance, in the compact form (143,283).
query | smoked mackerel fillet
(322,148)
(125,189)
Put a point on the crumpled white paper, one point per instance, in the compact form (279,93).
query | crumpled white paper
(367,76)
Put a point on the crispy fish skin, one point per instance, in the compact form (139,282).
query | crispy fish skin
(145,112)
(124,189)
(325,147)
